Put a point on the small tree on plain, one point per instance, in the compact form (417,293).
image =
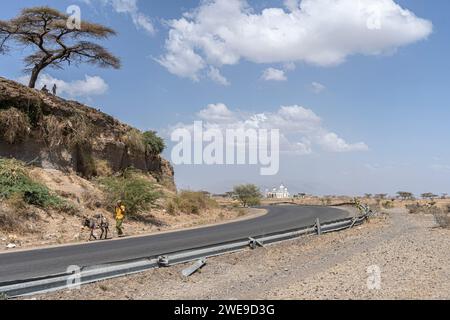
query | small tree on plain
(54,42)
(381,196)
(405,195)
(248,195)
(429,196)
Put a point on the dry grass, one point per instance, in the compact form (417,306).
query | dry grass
(14,215)
(53,131)
(442,219)
(70,132)
(190,202)
(428,208)
(134,140)
(14,125)
(103,168)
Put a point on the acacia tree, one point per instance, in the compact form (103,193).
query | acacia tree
(248,195)
(53,42)
(405,195)
(429,196)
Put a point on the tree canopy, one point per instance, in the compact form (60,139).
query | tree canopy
(248,195)
(405,195)
(53,42)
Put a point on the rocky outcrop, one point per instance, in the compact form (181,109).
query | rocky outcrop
(51,132)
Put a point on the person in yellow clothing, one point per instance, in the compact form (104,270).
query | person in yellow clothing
(120,216)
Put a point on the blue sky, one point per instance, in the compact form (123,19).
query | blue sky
(390,93)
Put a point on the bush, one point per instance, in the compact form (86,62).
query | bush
(414,208)
(388,205)
(15,181)
(429,208)
(133,188)
(147,142)
(190,202)
(154,143)
(442,219)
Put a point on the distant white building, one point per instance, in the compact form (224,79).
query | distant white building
(278,193)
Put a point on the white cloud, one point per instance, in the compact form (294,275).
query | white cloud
(319,32)
(272,74)
(317,87)
(289,66)
(217,113)
(90,86)
(301,130)
(332,142)
(130,7)
(292,5)
(215,75)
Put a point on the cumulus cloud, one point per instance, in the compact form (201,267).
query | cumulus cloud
(215,75)
(318,32)
(90,86)
(272,74)
(130,7)
(217,113)
(301,130)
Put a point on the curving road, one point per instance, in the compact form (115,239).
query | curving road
(23,265)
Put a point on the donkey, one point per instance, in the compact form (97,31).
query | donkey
(97,222)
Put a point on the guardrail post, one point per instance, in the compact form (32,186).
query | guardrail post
(163,261)
(253,243)
(318,226)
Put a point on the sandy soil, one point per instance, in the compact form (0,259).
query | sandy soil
(411,253)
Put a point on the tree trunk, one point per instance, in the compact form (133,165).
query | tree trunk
(34,77)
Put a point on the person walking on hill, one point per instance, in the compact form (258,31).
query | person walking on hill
(120,216)
(54,89)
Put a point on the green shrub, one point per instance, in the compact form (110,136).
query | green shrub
(154,143)
(15,181)
(133,188)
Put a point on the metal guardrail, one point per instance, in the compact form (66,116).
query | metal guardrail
(124,268)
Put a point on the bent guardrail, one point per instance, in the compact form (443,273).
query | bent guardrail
(118,269)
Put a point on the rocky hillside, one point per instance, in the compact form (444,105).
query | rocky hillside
(54,133)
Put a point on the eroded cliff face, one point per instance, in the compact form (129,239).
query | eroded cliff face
(51,132)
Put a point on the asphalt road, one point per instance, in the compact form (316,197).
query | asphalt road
(24,265)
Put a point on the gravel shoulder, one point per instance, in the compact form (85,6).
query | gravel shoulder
(411,253)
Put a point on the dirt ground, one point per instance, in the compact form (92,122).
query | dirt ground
(409,251)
